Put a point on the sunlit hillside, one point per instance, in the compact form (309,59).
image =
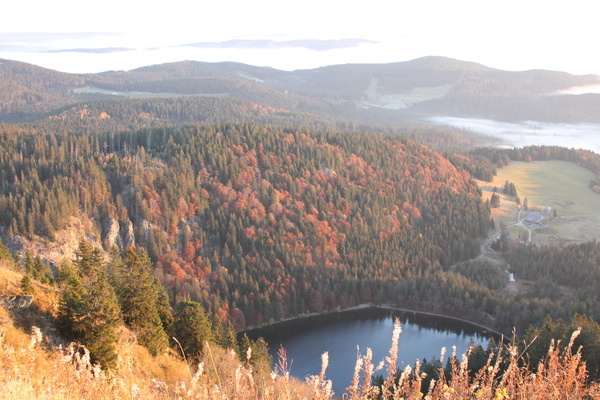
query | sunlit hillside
(32,368)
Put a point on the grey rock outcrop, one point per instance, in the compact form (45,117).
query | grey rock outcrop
(128,234)
(16,302)
(144,228)
(111,233)
(117,234)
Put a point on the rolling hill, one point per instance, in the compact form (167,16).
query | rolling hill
(365,93)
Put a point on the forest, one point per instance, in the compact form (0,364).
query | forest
(261,222)
(239,210)
(257,222)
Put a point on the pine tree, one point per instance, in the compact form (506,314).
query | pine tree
(163,306)
(192,328)
(28,262)
(72,304)
(225,335)
(88,310)
(495,200)
(256,352)
(41,271)
(260,358)
(27,285)
(5,253)
(142,300)
(102,319)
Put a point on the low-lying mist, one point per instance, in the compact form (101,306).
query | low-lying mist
(527,133)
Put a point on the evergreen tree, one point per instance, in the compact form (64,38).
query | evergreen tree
(71,307)
(495,200)
(141,300)
(102,319)
(88,310)
(27,285)
(64,272)
(163,306)
(28,262)
(538,340)
(5,253)
(192,328)
(260,357)
(40,270)
(225,335)
(256,352)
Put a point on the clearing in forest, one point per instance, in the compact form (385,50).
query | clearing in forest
(560,185)
(141,95)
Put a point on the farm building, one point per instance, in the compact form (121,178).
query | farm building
(535,218)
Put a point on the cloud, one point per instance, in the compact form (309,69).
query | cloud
(9,37)
(48,41)
(111,42)
(310,44)
(96,51)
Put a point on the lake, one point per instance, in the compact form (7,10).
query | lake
(423,336)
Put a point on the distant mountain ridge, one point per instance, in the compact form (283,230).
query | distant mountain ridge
(387,93)
(426,71)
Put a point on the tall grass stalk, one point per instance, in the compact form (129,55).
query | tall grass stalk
(33,372)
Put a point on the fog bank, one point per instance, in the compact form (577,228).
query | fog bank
(527,133)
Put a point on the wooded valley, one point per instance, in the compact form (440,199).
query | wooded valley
(238,203)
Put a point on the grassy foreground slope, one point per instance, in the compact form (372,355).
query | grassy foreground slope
(31,371)
(36,363)
(35,366)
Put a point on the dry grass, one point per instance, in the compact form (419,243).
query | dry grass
(30,372)
(507,212)
(31,369)
(10,280)
(560,184)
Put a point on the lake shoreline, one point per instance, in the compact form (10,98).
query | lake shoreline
(367,311)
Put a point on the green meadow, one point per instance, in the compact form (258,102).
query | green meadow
(561,185)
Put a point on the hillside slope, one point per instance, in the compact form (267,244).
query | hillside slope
(258,222)
(368,93)
(61,374)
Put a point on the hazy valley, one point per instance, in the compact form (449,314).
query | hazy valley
(530,133)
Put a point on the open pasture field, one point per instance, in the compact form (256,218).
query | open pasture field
(140,95)
(561,185)
(508,210)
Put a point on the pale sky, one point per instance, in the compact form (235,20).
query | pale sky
(75,36)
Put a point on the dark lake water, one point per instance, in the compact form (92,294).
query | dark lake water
(423,336)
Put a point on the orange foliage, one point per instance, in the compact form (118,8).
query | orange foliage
(236,316)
